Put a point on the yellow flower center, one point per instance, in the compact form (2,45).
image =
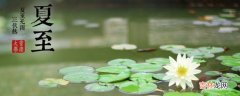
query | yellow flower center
(181,71)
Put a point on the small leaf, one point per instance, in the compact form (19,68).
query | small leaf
(171,47)
(236,79)
(107,78)
(49,83)
(142,76)
(230,75)
(159,76)
(212,73)
(236,68)
(211,49)
(99,88)
(81,77)
(224,57)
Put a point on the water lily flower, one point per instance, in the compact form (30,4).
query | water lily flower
(181,71)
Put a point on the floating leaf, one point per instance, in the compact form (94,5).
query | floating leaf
(231,63)
(160,61)
(113,77)
(236,55)
(182,94)
(81,77)
(135,88)
(236,68)
(232,84)
(145,67)
(142,76)
(171,47)
(121,62)
(99,88)
(230,75)
(49,83)
(199,54)
(236,79)
(211,49)
(159,76)
(212,73)
(225,58)
(113,69)
(74,69)
(182,51)
(220,92)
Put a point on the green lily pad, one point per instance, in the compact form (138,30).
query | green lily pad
(81,77)
(199,54)
(121,62)
(48,83)
(145,67)
(232,84)
(142,76)
(230,75)
(113,69)
(107,78)
(220,92)
(74,69)
(160,61)
(236,55)
(95,87)
(182,94)
(212,73)
(236,68)
(236,79)
(211,49)
(135,88)
(182,51)
(225,58)
(159,76)
(171,47)
(231,63)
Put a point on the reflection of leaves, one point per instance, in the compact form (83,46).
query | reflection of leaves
(81,77)
(99,88)
(220,92)
(182,94)
(73,69)
(212,73)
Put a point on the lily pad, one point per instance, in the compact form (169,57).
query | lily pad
(232,84)
(171,47)
(211,49)
(74,69)
(49,83)
(212,73)
(142,76)
(183,51)
(199,54)
(145,67)
(182,94)
(52,82)
(81,77)
(231,63)
(135,88)
(159,76)
(113,69)
(107,78)
(230,75)
(236,55)
(121,62)
(199,61)
(236,79)
(160,61)
(99,88)
(220,92)
(225,58)
(236,68)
